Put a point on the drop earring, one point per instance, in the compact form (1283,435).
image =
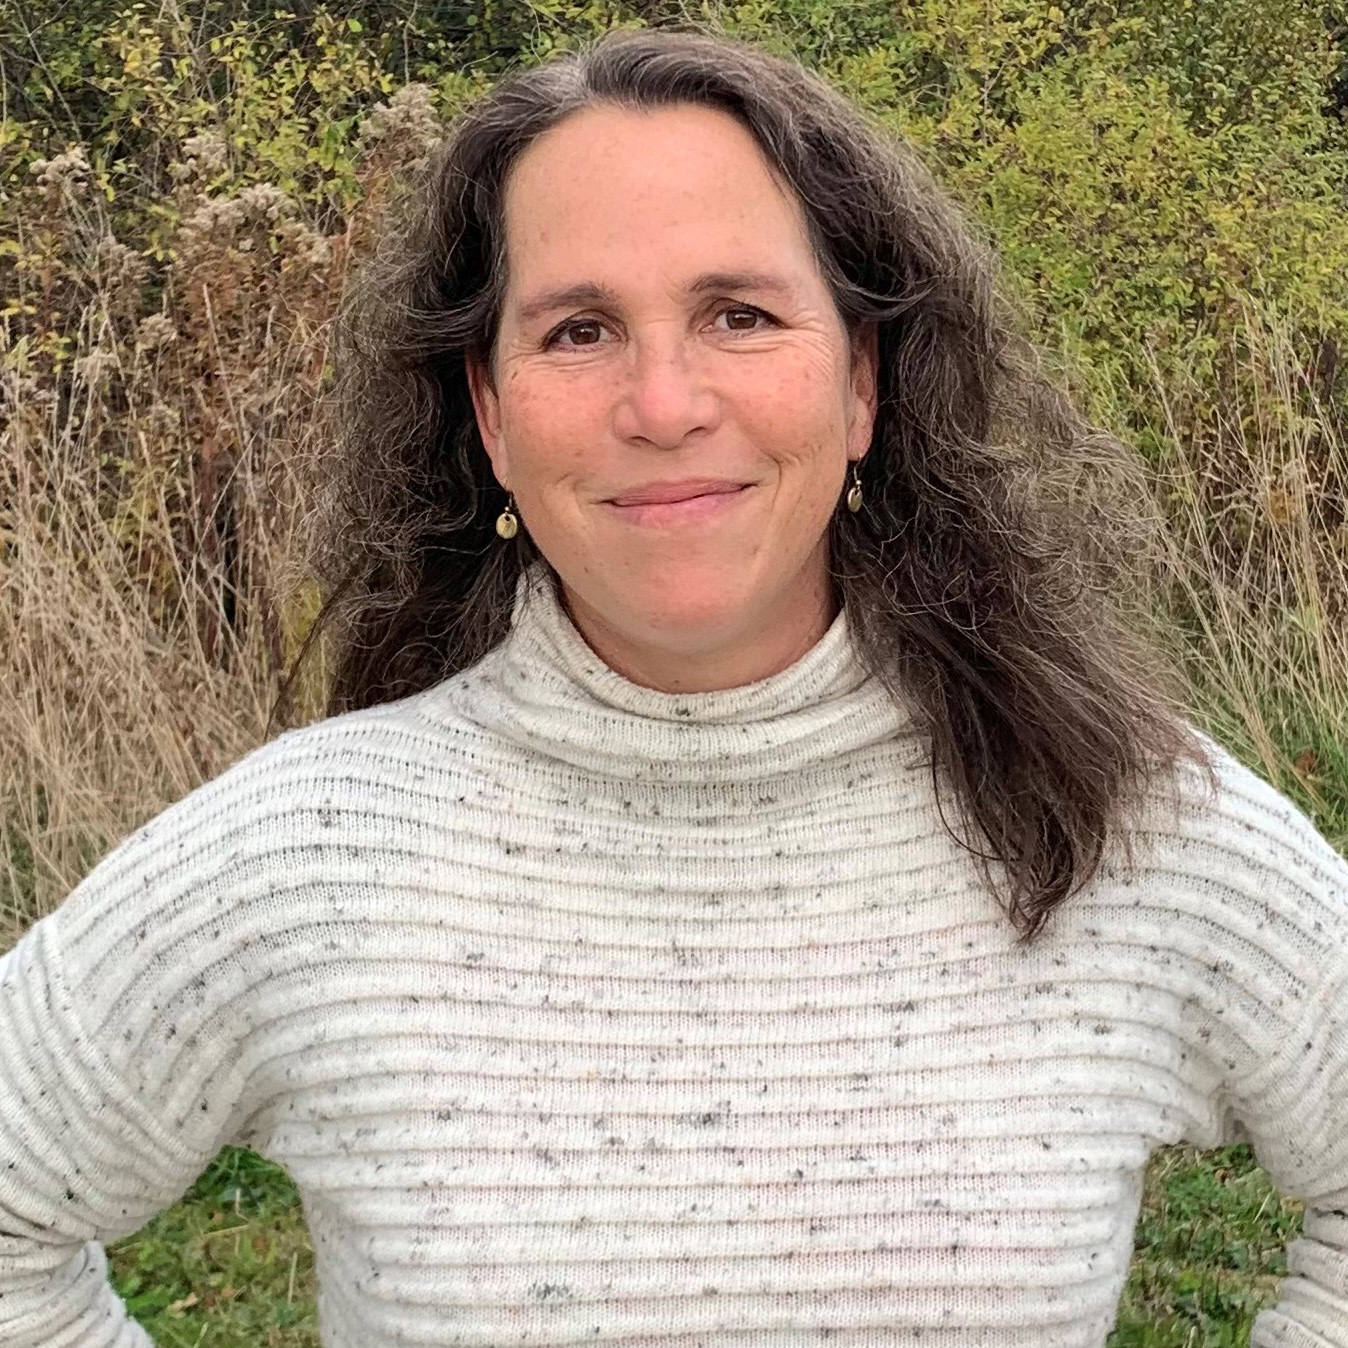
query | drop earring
(854,494)
(507,525)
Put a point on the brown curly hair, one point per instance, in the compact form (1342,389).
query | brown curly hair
(993,572)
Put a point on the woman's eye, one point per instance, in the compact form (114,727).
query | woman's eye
(578,327)
(743,310)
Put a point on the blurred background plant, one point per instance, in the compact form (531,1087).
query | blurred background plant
(186,186)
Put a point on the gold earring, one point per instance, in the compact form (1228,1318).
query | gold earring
(506,523)
(854,495)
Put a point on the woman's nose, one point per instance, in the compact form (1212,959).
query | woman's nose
(664,395)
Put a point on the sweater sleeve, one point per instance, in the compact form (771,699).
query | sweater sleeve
(83,1163)
(1292,1108)
(121,1026)
(1298,1130)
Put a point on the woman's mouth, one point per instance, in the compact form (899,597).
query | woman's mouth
(694,509)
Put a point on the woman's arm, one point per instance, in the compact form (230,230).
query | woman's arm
(123,1019)
(1298,1128)
(1281,1018)
(82,1162)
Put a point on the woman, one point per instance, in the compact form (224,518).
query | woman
(606,970)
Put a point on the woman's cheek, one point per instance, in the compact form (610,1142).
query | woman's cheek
(548,431)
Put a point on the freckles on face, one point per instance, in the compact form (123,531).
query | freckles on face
(550,421)
(795,392)
(778,402)
(791,411)
(665,319)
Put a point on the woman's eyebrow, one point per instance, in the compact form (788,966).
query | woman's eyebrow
(590,292)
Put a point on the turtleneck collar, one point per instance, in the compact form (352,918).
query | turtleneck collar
(545,689)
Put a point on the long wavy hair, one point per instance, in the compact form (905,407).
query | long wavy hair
(987,577)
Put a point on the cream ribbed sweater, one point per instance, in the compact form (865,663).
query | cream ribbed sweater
(586,1014)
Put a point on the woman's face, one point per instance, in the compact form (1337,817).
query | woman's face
(665,320)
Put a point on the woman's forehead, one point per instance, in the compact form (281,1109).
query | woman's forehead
(683,188)
(679,154)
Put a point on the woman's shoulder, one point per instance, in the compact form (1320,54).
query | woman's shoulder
(1242,812)
(1235,872)
(417,724)
(252,859)
(348,756)
(288,799)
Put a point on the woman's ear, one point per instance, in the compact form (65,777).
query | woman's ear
(865,390)
(487,411)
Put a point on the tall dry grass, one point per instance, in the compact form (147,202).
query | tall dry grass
(162,430)
(1255,569)
(156,470)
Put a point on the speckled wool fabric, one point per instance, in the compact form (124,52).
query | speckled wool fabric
(587,1014)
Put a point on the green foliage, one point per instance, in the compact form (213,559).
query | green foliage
(287,113)
(1258,62)
(1143,173)
(287,101)
(1140,231)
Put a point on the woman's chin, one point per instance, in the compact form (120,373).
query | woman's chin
(685,602)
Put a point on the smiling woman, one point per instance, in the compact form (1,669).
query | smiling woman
(604,968)
(713,590)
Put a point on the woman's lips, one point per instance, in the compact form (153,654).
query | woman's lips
(692,510)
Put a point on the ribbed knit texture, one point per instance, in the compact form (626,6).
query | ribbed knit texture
(586,1014)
